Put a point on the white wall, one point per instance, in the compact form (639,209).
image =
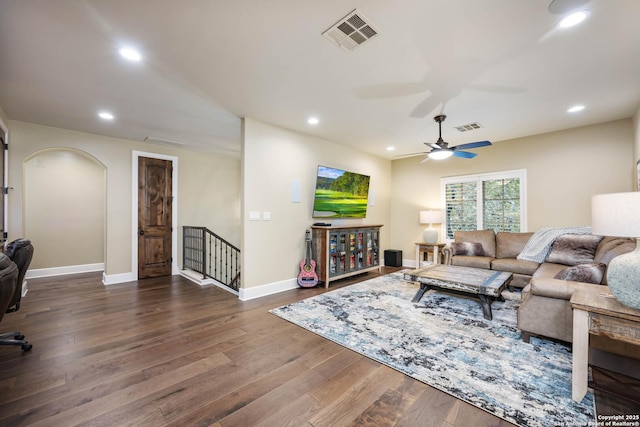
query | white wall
(564,169)
(275,158)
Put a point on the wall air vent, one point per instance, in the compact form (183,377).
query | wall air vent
(154,140)
(351,31)
(468,127)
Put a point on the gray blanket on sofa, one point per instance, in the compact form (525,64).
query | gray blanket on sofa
(539,245)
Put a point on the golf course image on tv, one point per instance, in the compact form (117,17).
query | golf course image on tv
(340,194)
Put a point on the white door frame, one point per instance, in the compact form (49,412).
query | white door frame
(134,209)
(5,131)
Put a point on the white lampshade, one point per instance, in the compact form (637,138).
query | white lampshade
(617,215)
(431,217)
(430,235)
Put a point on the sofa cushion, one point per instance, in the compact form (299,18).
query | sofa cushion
(467,248)
(514,265)
(552,288)
(548,270)
(560,289)
(574,249)
(472,261)
(611,247)
(587,273)
(485,237)
(509,245)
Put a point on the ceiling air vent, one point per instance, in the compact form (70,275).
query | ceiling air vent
(351,31)
(468,127)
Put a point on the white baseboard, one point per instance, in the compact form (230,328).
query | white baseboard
(197,278)
(112,279)
(268,289)
(59,271)
(411,263)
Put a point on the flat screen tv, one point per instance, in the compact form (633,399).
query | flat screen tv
(340,194)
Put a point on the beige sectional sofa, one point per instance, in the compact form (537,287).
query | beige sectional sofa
(545,309)
(500,253)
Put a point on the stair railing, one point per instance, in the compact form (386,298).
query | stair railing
(204,252)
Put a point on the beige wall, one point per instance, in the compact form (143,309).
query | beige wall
(636,147)
(204,198)
(64,210)
(3,116)
(563,170)
(273,159)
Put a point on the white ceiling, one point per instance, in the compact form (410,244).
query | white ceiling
(207,63)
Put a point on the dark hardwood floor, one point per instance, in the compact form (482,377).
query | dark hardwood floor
(166,352)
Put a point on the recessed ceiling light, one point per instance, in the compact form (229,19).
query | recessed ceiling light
(105,115)
(573,19)
(130,54)
(575,109)
(391,148)
(313,121)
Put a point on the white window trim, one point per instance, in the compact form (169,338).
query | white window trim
(517,173)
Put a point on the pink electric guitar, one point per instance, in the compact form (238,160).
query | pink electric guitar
(308,277)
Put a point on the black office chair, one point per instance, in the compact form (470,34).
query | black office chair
(20,253)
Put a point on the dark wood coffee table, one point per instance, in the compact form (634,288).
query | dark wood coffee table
(487,285)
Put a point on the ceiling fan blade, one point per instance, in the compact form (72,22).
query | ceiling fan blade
(390,90)
(425,159)
(497,89)
(472,145)
(434,146)
(464,154)
(409,154)
(425,107)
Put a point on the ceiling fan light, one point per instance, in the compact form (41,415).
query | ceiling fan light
(131,54)
(573,19)
(440,154)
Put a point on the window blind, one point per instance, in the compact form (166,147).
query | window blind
(489,201)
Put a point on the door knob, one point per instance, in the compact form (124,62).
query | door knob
(142,232)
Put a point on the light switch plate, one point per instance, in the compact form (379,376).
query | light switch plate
(254,216)
(266,216)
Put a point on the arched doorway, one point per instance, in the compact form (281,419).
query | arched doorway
(64,210)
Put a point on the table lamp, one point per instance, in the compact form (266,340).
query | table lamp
(618,214)
(430,234)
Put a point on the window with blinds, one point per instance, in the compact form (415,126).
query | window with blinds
(489,201)
(461,207)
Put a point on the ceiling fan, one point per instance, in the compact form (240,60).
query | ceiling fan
(441,150)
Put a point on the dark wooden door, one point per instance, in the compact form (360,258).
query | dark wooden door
(154,217)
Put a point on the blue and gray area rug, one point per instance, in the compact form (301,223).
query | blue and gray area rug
(445,342)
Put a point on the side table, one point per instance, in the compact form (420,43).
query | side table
(429,247)
(597,313)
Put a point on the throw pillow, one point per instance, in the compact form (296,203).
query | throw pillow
(467,248)
(586,273)
(574,249)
